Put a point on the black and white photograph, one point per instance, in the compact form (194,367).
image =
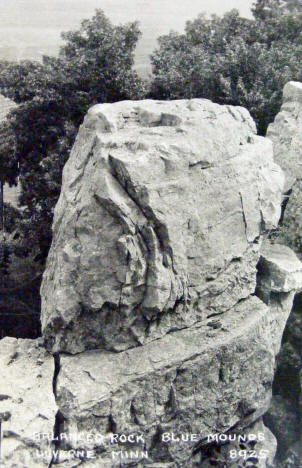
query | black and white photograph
(151,234)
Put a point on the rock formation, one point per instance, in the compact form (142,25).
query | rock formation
(163,308)
(158,223)
(285,415)
(285,133)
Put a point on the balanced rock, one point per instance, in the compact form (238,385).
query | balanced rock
(159,223)
(165,335)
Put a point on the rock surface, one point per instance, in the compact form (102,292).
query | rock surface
(208,379)
(162,339)
(27,403)
(254,447)
(158,222)
(291,229)
(285,133)
(280,269)
(285,415)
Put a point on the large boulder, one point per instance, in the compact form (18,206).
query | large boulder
(164,345)
(192,398)
(285,133)
(190,383)
(159,223)
(149,290)
(211,379)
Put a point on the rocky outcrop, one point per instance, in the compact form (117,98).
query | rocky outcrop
(158,223)
(162,308)
(207,379)
(291,228)
(285,133)
(27,403)
(253,447)
(191,398)
(284,416)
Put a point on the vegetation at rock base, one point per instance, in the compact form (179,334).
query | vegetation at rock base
(233,60)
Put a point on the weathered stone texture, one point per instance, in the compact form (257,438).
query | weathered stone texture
(211,378)
(280,269)
(253,452)
(150,295)
(284,416)
(215,375)
(291,229)
(27,402)
(158,222)
(285,133)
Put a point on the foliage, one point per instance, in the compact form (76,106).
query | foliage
(94,65)
(8,160)
(12,218)
(233,60)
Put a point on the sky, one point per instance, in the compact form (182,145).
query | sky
(31,28)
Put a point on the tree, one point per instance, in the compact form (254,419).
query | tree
(8,163)
(264,9)
(233,60)
(94,65)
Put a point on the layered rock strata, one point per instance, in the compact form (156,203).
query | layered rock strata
(171,403)
(163,345)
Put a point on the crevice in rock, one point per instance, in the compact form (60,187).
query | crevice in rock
(126,184)
(57,367)
(112,427)
(243,216)
(59,418)
(201,164)
(134,418)
(286,197)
